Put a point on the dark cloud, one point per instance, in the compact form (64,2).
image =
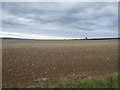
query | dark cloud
(61,17)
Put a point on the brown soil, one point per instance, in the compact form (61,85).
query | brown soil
(31,62)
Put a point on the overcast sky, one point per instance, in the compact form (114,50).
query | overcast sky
(50,20)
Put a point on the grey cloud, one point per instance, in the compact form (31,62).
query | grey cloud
(62,16)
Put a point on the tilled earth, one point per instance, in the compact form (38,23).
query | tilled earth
(32,62)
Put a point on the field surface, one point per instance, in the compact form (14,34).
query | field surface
(32,62)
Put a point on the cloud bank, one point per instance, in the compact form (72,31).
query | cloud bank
(68,19)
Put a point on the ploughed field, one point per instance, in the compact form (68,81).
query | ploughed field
(32,62)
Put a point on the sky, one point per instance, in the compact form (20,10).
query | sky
(59,20)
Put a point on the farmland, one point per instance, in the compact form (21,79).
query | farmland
(32,62)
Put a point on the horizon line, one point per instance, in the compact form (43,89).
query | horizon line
(61,39)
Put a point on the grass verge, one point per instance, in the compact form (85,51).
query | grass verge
(109,81)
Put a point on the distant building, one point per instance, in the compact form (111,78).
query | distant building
(86,38)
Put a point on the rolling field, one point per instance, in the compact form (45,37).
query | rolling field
(31,62)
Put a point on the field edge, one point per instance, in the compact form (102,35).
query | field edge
(108,81)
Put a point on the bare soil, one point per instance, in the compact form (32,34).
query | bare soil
(31,62)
